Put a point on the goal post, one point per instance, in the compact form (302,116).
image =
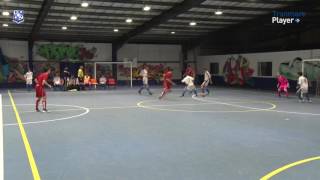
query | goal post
(311,69)
(124,70)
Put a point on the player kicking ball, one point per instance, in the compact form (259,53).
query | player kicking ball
(204,86)
(188,80)
(283,85)
(41,81)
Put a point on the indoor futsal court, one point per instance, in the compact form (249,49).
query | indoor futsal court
(159,90)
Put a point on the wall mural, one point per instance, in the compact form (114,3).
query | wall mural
(291,68)
(12,70)
(237,71)
(59,52)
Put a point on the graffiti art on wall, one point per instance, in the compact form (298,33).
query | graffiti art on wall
(237,71)
(291,68)
(12,69)
(66,52)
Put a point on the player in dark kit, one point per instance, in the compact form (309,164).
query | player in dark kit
(41,81)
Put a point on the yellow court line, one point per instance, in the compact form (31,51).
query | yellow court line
(288,166)
(26,143)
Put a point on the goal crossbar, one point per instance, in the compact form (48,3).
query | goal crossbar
(304,61)
(116,63)
(307,60)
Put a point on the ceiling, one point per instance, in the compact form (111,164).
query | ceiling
(166,22)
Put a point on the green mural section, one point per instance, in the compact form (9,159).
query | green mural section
(65,52)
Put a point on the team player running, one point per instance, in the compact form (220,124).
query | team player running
(167,82)
(206,80)
(283,85)
(145,84)
(189,81)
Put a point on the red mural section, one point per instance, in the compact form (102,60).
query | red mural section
(237,71)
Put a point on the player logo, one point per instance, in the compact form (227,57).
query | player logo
(18,16)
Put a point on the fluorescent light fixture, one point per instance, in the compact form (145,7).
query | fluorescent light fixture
(84,4)
(218,12)
(73,18)
(192,23)
(172,32)
(147,8)
(5,13)
(129,20)
(5,25)
(64,27)
(115,30)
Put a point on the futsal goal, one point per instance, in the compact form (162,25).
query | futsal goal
(311,69)
(124,71)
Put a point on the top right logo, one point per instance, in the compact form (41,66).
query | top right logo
(286,17)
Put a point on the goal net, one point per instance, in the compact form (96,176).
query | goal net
(124,71)
(311,69)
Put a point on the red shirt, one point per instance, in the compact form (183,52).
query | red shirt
(189,71)
(282,81)
(167,75)
(41,78)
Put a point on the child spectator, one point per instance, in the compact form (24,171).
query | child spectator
(29,78)
(86,81)
(103,82)
(57,82)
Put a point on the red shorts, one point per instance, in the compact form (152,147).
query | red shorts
(167,86)
(40,91)
(283,88)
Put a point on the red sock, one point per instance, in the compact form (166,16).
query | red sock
(287,94)
(37,103)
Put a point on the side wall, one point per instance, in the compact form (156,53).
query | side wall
(235,69)
(14,57)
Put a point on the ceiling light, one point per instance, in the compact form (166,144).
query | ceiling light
(5,25)
(73,18)
(192,23)
(64,27)
(129,20)
(84,4)
(115,30)
(172,32)
(5,13)
(147,8)
(218,12)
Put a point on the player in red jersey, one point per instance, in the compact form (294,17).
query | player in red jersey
(41,81)
(189,71)
(282,85)
(167,82)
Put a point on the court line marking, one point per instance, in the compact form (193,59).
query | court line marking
(235,105)
(32,162)
(288,166)
(87,110)
(251,109)
(282,111)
